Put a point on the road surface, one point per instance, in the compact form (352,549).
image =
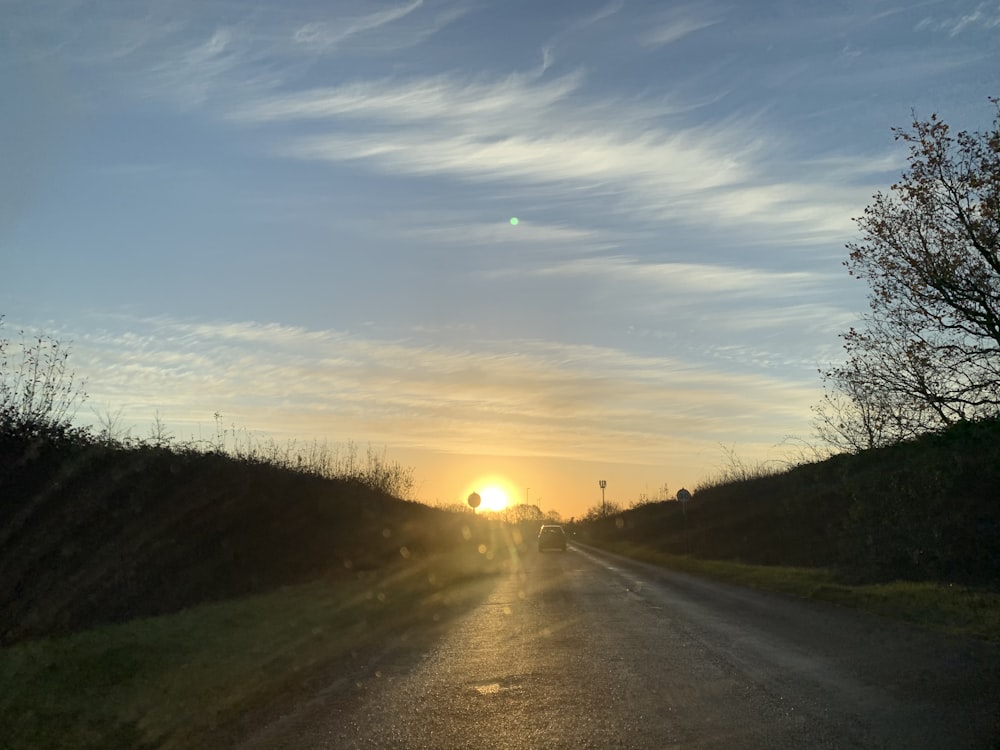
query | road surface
(587,650)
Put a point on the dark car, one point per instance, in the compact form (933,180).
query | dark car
(551,536)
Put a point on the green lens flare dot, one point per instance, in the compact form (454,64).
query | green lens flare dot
(513,221)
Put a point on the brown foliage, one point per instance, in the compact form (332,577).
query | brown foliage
(928,354)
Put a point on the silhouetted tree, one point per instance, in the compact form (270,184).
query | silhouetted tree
(599,511)
(928,352)
(524,512)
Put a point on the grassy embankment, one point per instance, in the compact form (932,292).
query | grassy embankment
(157,596)
(193,678)
(911,531)
(947,607)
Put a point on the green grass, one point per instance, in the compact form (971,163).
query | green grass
(185,680)
(946,607)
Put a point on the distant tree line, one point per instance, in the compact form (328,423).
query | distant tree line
(40,397)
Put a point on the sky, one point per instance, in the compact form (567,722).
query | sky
(301,216)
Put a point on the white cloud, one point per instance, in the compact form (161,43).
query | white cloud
(515,397)
(523,130)
(515,99)
(985,16)
(325,35)
(212,54)
(639,159)
(674,30)
(694,279)
(191,74)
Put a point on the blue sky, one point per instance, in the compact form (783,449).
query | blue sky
(298,215)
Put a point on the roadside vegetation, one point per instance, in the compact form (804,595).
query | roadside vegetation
(923,510)
(901,516)
(948,607)
(206,676)
(157,593)
(908,531)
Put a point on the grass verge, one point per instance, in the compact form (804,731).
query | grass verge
(949,608)
(186,680)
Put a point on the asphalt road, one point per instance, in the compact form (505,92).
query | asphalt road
(588,650)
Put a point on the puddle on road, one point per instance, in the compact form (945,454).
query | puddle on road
(496,687)
(491,689)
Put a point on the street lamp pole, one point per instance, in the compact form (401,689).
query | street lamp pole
(604,508)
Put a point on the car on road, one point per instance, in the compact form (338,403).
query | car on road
(551,536)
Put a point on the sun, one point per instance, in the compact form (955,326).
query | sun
(494,498)
(496,493)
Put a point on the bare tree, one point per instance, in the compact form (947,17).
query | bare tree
(38,391)
(928,352)
(524,512)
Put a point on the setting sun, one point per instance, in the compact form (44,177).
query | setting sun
(497,493)
(494,498)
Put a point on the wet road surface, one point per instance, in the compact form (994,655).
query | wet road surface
(588,650)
